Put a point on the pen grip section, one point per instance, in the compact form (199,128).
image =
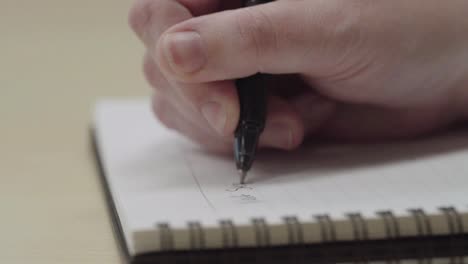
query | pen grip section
(253,103)
(253,106)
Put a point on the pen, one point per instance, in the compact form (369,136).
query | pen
(253,107)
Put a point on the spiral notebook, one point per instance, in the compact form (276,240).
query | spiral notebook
(325,203)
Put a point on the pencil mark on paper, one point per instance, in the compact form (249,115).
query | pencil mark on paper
(236,187)
(192,172)
(245,198)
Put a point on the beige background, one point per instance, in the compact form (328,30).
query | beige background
(56,58)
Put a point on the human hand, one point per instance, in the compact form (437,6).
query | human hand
(347,69)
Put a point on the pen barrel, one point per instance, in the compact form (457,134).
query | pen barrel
(253,103)
(253,107)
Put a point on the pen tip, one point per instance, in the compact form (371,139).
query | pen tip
(243,175)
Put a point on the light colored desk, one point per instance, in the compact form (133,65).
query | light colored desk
(56,58)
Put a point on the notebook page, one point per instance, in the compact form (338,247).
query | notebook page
(156,175)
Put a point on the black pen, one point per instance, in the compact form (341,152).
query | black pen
(253,107)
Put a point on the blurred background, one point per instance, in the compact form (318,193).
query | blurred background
(57,57)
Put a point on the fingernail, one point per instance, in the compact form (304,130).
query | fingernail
(215,115)
(278,135)
(185,51)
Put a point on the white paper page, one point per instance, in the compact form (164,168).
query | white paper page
(157,175)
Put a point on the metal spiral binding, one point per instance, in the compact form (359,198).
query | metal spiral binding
(327,228)
(392,231)
(360,229)
(197,235)
(262,232)
(455,224)
(295,232)
(360,232)
(166,238)
(423,225)
(454,220)
(392,228)
(230,235)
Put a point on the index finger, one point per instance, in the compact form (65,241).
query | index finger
(150,18)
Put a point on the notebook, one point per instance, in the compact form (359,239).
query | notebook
(324,203)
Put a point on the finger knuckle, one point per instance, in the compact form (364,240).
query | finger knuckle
(163,112)
(349,28)
(340,37)
(297,130)
(153,75)
(150,18)
(140,15)
(344,26)
(297,134)
(258,33)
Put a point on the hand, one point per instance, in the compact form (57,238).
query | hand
(347,69)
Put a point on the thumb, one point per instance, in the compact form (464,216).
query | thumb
(270,38)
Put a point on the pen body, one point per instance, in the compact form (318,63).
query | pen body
(253,106)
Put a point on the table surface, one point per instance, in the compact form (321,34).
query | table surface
(57,57)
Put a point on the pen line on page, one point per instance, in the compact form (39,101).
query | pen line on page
(194,176)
